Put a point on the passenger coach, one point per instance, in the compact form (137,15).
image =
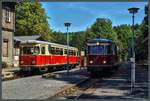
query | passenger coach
(43,55)
(101,55)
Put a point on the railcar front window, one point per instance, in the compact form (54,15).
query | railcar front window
(96,50)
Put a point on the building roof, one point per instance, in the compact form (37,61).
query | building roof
(24,38)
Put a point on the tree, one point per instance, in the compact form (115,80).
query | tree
(124,34)
(78,39)
(59,37)
(142,46)
(31,19)
(103,28)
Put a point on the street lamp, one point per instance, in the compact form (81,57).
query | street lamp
(67,25)
(132,59)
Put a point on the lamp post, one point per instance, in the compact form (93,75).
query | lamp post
(132,59)
(67,25)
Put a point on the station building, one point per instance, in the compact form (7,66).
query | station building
(8,29)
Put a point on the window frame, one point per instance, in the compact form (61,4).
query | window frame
(7,15)
(5,41)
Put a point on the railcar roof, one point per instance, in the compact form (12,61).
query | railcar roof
(100,40)
(44,42)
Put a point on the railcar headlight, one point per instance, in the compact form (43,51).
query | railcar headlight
(91,61)
(33,62)
(104,61)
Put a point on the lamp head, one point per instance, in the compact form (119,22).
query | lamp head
(133,10)
(67,24)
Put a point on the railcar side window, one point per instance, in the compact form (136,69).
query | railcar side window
(49,48)
(109,50)
(74,53)
(65,51)
(57,51)
(61,51)
(36,50)
(53,50)
(70,52)
(43,50)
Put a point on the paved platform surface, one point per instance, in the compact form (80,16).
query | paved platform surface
(118,86)
(36,87)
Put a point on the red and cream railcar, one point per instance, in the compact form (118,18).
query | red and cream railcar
(101,55)
(42,55)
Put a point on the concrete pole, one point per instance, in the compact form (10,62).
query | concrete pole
(67,52)
(133,58)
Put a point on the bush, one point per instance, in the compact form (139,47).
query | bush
(4,65)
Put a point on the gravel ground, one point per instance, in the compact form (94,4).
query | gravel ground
(36,87)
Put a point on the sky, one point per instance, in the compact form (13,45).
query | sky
(84,14)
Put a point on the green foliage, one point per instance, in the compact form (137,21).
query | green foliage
(142,33)
(4,65)
(59,37)
(124,35)
(78,40)
(31,19)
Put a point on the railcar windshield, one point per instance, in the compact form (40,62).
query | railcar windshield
(100,50)
(30,50)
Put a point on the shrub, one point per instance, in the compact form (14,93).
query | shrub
(4,65)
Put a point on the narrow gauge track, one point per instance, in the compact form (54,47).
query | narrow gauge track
(75,91)
(89,89)
(78,91)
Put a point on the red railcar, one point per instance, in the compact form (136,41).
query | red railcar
(45,55)
(101,55)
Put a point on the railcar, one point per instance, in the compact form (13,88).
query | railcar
(101,55)
(41,55)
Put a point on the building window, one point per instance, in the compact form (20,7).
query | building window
(5,47)
(16,52)
(8,14)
